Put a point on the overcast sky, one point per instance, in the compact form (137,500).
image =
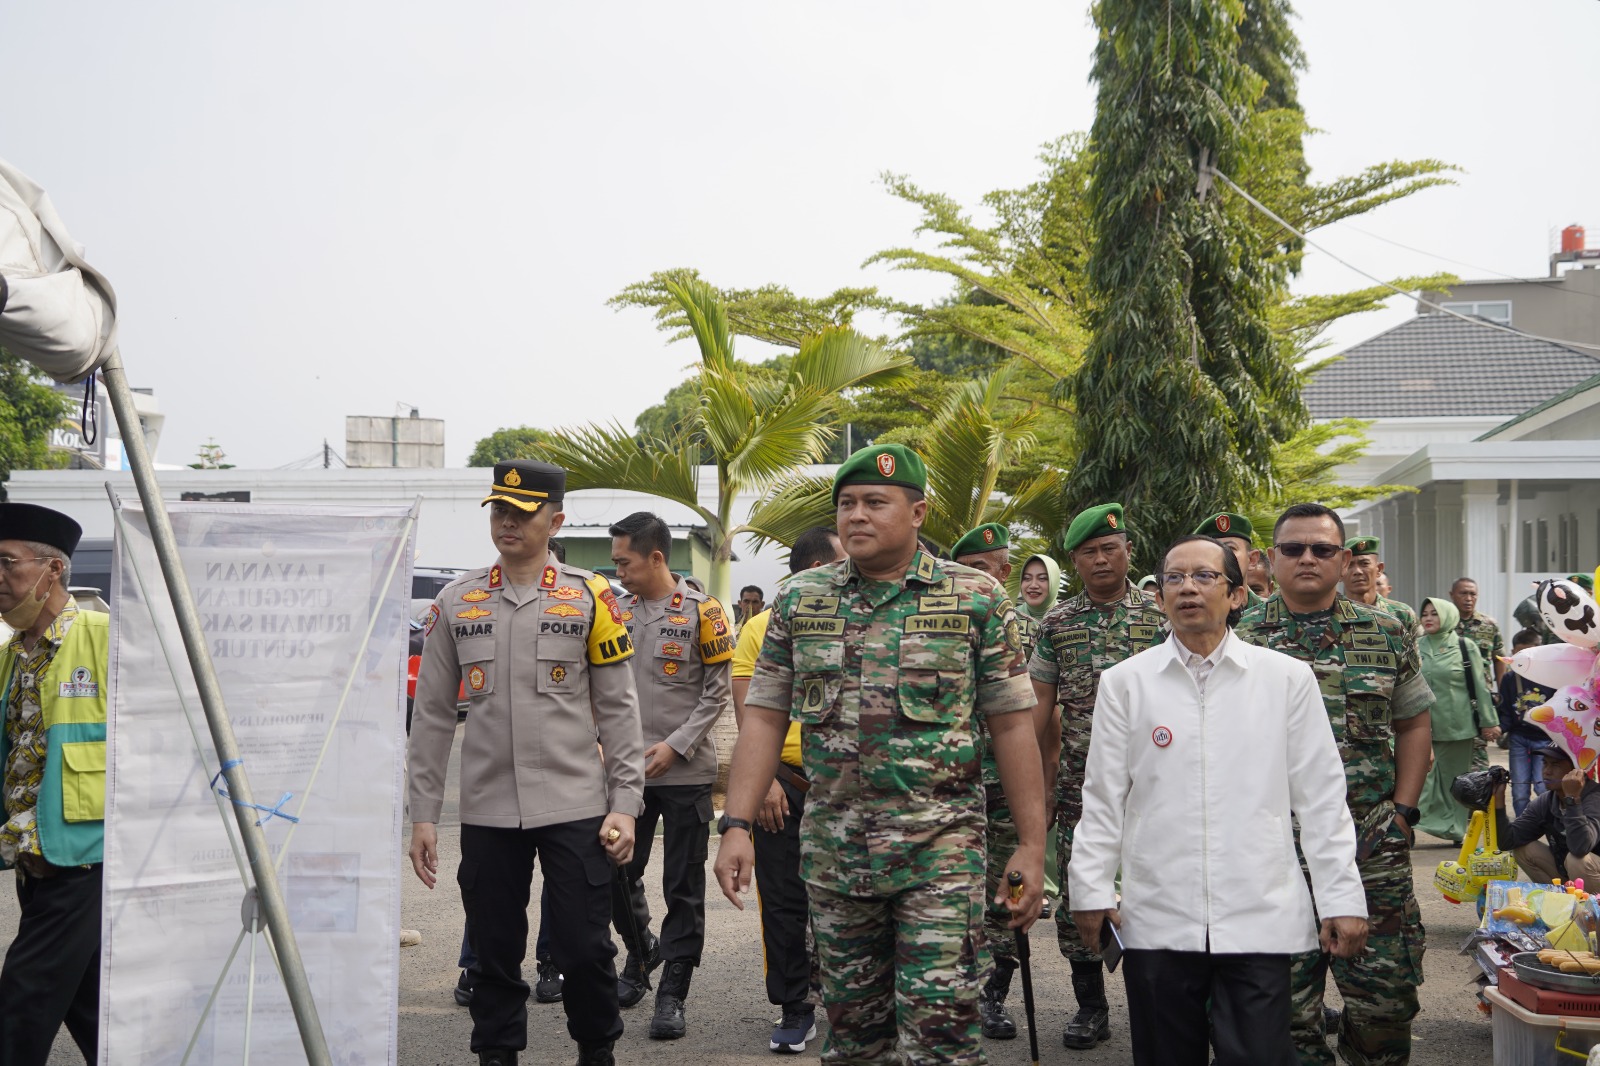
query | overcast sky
(311,210)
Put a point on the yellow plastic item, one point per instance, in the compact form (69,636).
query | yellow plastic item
(1479,862)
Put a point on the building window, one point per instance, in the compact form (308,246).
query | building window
(1525,556)
(1546,559)
(1494,310)
(1569,543)
(1504,569)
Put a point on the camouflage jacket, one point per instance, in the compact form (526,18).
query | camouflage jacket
(1485,633)
(1401,611)
(887,680)
(1028,631)
(1079,640)
(1368,669)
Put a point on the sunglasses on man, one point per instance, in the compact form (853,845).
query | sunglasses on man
(1322,550)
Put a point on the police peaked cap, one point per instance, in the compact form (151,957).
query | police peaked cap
(526,484)
(29,521)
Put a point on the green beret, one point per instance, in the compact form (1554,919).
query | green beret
(1362,545)
(882,464)
(1583,581)
(1094,522)
(991,536)
(1227,524)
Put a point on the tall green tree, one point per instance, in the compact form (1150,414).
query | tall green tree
(519,442)
(29,410)
(755,424)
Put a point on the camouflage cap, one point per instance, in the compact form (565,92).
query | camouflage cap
(991,536)
(882,464)
(1101,521)
(1227,524)
(1362,545)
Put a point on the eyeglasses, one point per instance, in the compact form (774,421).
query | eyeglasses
(8,563)
(1322,550)
(1202,578)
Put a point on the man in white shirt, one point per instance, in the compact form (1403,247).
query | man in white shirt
(1204,750)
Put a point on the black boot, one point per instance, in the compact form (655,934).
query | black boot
(997,1022)
(497,1056)
(668,1023)
(634,980)
(1092,1023)
(596,1055)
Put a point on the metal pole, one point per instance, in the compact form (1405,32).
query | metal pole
(268,893)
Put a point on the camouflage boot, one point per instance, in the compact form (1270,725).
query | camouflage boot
(1092,1023)
(997,1021)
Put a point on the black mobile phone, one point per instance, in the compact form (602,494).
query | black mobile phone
(1110,945)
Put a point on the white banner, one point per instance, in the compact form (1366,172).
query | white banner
(305,613)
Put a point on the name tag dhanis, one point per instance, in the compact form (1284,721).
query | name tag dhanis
(802,626)
(938,623)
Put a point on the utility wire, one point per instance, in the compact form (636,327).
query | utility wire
(1481,322)
(1460,262)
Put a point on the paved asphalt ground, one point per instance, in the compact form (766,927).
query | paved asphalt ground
(729,1017)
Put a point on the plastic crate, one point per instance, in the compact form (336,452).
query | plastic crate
(1523,1038)
(1544,1001)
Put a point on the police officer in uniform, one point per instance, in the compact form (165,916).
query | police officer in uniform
(1370,676)
(1238,536)
(541,650)
(1079,639)
(684,646)
(885,660)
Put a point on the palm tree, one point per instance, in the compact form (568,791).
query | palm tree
(974,436)
(756,426)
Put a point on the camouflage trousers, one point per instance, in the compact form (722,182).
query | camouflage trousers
(1480,753)
(1069,808)
(1000,844)
(900,973)
(1380,986)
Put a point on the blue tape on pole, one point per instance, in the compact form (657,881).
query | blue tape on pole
(268,812)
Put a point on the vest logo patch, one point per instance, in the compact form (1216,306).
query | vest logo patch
(476,679)
(83,685)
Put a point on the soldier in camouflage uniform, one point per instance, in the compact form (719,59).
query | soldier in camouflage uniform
(888,660)
(1361,581)
(1485,633)
(1367,665)
(988,548)
(1236,533)
(1108,622)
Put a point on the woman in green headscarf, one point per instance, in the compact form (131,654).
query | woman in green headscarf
(1038,589)
(1462,711)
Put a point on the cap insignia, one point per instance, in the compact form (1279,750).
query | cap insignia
(886,464)
(513,478)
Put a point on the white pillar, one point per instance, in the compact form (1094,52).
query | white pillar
(1480,517)
(1448,550)
(1513,555)
(1423,564)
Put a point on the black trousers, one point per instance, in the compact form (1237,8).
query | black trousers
(686,812)
(1248,1023)
(784,910)
(52,969)
(495,876)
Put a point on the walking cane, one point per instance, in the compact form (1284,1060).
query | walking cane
(1014,880)
(633,919)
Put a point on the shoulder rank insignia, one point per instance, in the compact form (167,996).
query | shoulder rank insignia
(494,576)
(549,579)
(677,601)
(567,592)
(563,610)
(627,616)
(475,596)
(473,613)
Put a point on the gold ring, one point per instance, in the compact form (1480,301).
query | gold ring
(613,836)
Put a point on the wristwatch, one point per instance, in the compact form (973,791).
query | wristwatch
(1410,814)
(726,823)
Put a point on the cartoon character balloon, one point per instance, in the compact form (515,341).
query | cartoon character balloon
(1572,717)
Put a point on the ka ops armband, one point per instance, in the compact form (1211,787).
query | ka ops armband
(608,637)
